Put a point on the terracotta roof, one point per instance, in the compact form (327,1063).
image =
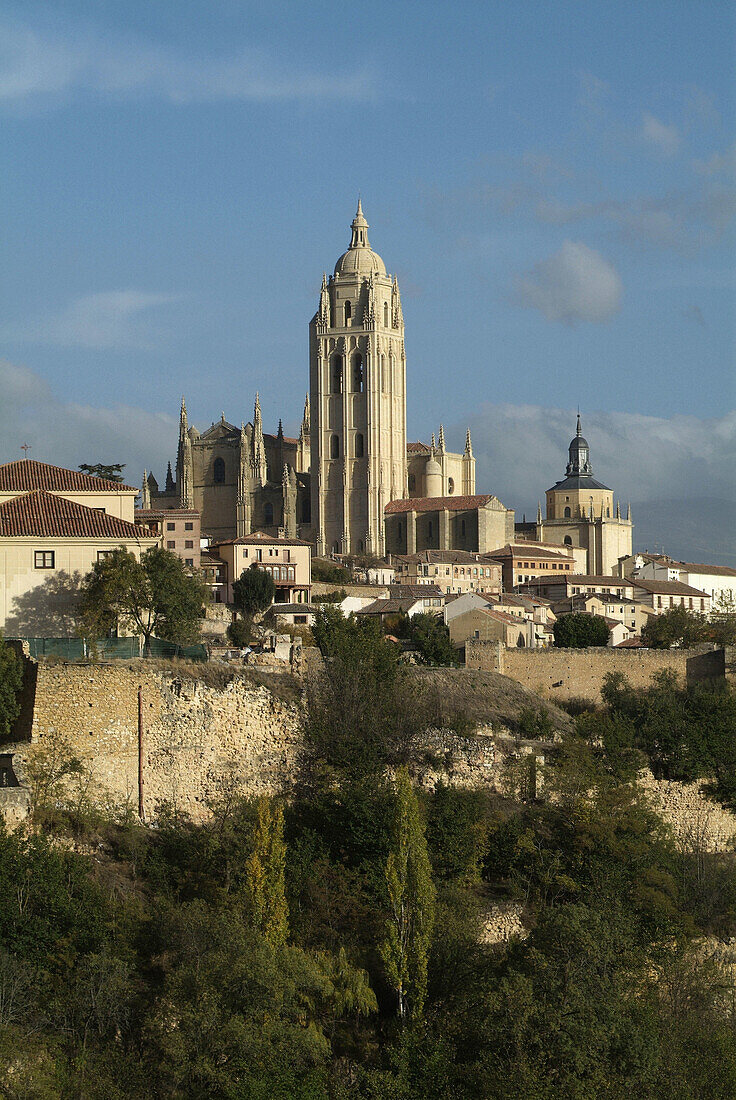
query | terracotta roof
(28,474)
(669,588)
(631,643)
(261,538)
(387,607)
(705,570)
(448,557)
(512,551)
(417,448)
(417,590)
(440,504)
(593,578)
(165,513)
(45,515)
(286,438)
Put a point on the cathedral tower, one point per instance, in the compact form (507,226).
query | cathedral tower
(357,373)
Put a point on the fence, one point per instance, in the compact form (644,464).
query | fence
(79,649)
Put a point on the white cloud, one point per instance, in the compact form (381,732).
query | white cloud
(575,284)
(521,450)
(34,66)
(66,433)
(109,319)
(665,139)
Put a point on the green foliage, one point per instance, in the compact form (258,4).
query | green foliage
(331,597)
(238,632)
(363,710)
(265,884)
(676,627)
(11,682)
(431,637)
(155,596)
(112,472)
(411,894)
(329,573)
(721,628)
(456,833)
(579,630)
(253,591)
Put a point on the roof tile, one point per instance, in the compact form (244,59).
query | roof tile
(27,474)
(45,515)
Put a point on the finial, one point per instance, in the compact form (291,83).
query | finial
(281,428)
(441,442)
(432,440)
(539,511)
(579,430)
(468,444)
(222,417)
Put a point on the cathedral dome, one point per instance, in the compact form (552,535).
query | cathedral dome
(360,259)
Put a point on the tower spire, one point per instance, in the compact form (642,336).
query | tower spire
(359,227)
(441,439)
(578,430)
(468,444)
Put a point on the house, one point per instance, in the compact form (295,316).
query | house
(287,560)
(294,614)
(620,609)
(717,581)
(522,562)
(178,530)
(383,609)
(28,475)
(432,597)
(664,595)
(490,625)
(454,571)
(579,584)
(466,601)
(49,542)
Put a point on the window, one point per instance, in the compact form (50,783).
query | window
(218,471)
(189,562)
(412,483)
(462,522)
(336,374)
(348,313)
(568,541)
(102,554)
(398,529)
(385,314)
(268,513)
(170,544)
(170,526)
(450,486)
(359,445)
(357,373)
(189,544)
(568,513)
(334,447)
(188,526)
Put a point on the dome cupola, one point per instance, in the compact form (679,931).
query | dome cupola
(579,454)
(360,259)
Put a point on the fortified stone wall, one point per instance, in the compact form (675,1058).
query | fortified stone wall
(196,739)
(566,673)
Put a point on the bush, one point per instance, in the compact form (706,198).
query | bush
(580,630)
(329,572)
(238,633)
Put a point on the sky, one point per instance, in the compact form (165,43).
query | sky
(554,184)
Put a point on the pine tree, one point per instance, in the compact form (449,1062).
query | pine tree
(265,881)
(411,901)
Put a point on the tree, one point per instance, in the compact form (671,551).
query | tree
(579,630)
(253,591)
(11,680)
(676,627)
(721,627)
(155,596)
(265,879)
(432,638)
(113,472)
(411,896)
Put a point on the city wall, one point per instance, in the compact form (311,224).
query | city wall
(559,674)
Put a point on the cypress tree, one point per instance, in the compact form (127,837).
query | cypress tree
(265,881)
(411,896)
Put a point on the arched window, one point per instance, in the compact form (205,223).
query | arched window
(385,314)
(359,445)
(429,528)
(398,529)
(218,471)
(451,487)
(521,643)
(268,513)
(334,447)
(357,373)
(361,547)
(306,510)
(291,572)
(336,548)
(336,374)
(608,513)
(567,513)
(384,380)
(412,483)
(462,527)
(568,540)
(348,313)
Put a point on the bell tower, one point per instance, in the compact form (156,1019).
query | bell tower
(357,371)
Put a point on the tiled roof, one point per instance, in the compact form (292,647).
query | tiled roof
(510,551)
(669,588)
(448,557)
(592,578)
(387,607)
(418,590)
(166,513)
(440,504)
(634,642)
(45,515)
(705,570)
(260,538)
(28,474)
(286,438)
(417,448)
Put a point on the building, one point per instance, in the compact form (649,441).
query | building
(580,511)
(454,571)
(634,615)
(404,605)
(433,471)
(718,581)
(575,584)
(664,595)
(287,560)
(55,525)
(178,530)
(490,625)
(475,524)
(528,561)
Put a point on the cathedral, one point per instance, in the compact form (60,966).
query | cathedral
(331,486)
(351,483)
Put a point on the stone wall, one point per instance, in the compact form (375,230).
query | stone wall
(696,821)
(566,673)
(196,739)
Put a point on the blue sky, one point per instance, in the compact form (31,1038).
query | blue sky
(553,184)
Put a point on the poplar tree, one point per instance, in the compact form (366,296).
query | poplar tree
(411,896)
(265,878)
